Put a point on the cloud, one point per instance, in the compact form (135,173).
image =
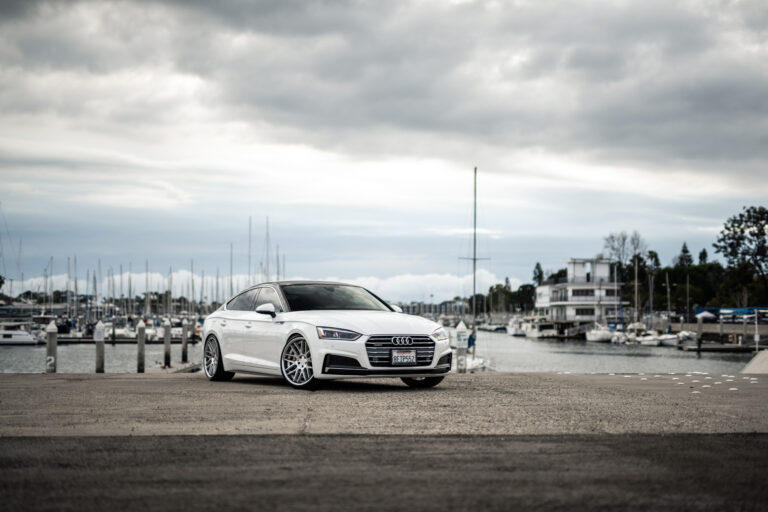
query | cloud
(645,83)
(150,129)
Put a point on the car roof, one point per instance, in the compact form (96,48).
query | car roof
(282,283)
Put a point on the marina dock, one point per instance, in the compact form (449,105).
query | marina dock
(486,441)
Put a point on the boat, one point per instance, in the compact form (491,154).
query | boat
(669,340)
(601,333)
(539,327)
(515,327)
(649,339)
(13,333)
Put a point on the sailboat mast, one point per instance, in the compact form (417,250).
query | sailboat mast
(474,261)
(636,306)
(266,269)
(147,304)
(249,251)
(77,296)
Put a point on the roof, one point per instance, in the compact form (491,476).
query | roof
(308,282)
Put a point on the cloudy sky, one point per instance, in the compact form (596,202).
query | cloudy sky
(153,130)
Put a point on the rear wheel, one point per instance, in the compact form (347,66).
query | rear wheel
(422,382)
(296,364)
(212,364)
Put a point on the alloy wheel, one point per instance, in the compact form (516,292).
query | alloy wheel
(297,362)
(211,358)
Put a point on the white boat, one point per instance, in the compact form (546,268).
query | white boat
(515,327)
(601,333)
(649,339)
(13,333)
(669,340)
(539,327)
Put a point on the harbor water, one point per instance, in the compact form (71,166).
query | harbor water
(515,354)
(81,358)
(506,354)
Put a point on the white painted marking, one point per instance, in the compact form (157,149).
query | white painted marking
(733,389)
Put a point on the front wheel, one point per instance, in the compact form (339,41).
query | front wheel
(296,364)
(422,382)
(212,364)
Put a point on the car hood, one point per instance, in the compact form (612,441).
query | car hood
(365,322)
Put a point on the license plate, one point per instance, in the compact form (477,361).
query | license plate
(403,357)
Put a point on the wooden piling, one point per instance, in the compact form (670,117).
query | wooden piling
(167,335)
(98,340)
(699,332)
(184,335)
(52,333)
(141,332)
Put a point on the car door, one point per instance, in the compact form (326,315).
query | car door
(264,334)
(232,322)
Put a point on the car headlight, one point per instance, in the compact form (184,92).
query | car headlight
(440,334)
(329,333)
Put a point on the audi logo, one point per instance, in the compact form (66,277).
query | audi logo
(402,340)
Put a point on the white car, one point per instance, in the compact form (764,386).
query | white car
(313,331)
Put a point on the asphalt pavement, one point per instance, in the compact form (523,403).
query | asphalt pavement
(487,441)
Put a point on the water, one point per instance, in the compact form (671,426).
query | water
(512,354)
(82,358)
(507,354)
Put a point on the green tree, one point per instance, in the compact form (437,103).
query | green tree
(685,259)
(703,256)
(538,274)
(2,282)
(653,260)
(744,241)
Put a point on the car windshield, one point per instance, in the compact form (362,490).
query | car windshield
(307,297)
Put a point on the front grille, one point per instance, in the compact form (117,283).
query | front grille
(380,350)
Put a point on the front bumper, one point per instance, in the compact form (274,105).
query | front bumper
(344,359)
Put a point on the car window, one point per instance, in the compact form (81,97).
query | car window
(307,297)
(268,296)
(244,301)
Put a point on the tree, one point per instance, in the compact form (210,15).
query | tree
(744,240)
(616,245)
(636,244)
(653,259)
(2,282)
(703,256)
(685,259)
(538,274)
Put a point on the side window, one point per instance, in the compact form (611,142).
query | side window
(244,301)
(268,296)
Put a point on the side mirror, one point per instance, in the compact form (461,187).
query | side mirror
(397,309)
(267,309)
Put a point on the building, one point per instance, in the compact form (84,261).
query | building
(589,293)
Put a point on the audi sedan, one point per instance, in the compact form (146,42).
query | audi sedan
(308,332)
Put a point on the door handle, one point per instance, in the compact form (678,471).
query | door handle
(223,324)
(248,326)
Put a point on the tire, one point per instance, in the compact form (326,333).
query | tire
(296,364)
(213,367)
(422,382)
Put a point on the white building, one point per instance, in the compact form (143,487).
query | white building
(589,293)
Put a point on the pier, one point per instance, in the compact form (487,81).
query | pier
(486,441)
